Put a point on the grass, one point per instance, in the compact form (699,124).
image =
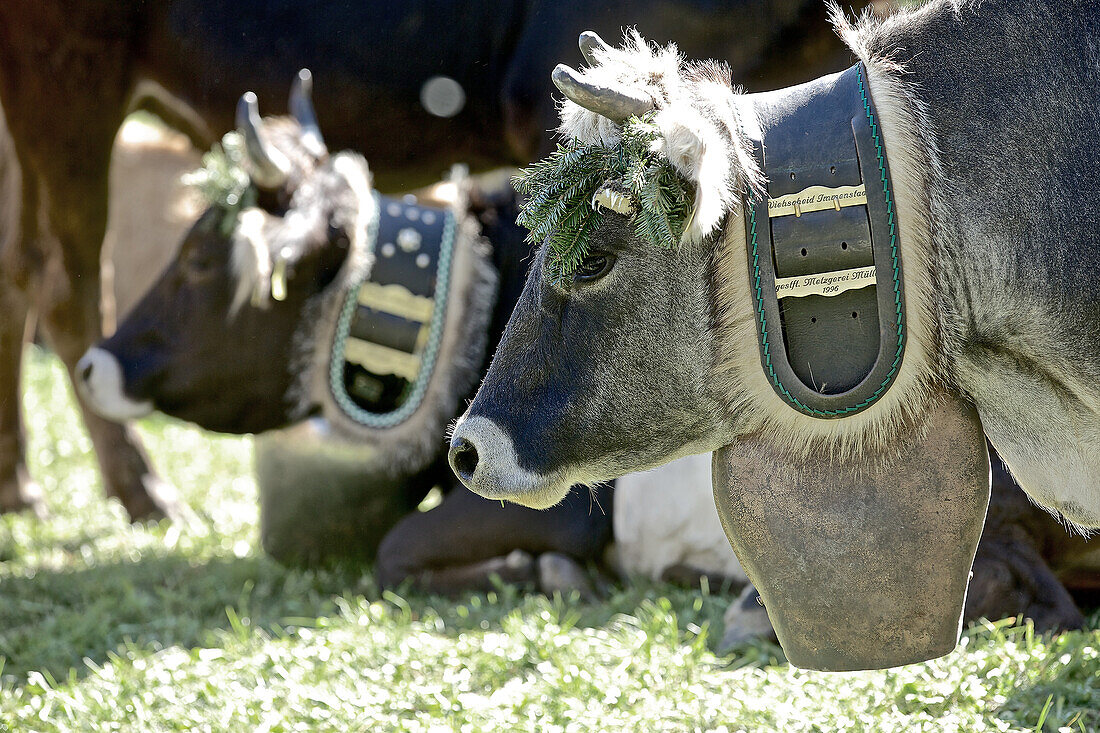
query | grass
(105,626)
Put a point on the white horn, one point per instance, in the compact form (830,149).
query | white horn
(591,43)
(617,105)
(270,168)
(301,107)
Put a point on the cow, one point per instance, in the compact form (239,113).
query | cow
(621,354)
(214,342)
(534,455)
(69,75)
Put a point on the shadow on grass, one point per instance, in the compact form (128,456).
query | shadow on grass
(52,621)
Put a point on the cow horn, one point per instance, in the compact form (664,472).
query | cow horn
(301,106)
(591,43)
(270,168)
(617,105)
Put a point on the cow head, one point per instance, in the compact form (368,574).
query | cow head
(635,340)
(611,360)
(216,339)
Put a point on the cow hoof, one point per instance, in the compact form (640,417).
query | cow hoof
(746,620)
(159,500)
(689,576)
(561,574)
(22,494)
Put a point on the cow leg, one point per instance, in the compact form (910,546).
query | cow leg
(72,325)
(460,544)
(689,576)
(1011,578)
(517,568)
(17,490)
(68,301)
(64,152)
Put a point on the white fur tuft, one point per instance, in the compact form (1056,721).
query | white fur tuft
(251,260)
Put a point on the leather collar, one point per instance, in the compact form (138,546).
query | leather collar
(391,323)
(824,262)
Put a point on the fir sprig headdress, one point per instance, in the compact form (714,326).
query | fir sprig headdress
(223,180)
(568,192)
(649,135)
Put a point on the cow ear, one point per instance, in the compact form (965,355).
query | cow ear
(700,152)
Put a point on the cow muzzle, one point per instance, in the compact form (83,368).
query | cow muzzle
(484,458)
(861,565)
(100,382)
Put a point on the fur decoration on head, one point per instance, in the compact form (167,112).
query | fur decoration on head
(691,111)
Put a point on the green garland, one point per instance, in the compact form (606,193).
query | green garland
(560,189)
(223,179)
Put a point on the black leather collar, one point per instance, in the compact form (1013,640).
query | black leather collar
(823,254)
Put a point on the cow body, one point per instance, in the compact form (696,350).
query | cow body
(69,75)
(1019,275)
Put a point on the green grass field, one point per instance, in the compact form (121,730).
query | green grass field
(104,626)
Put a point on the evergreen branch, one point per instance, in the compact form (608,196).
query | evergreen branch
(223,181)
(560,187)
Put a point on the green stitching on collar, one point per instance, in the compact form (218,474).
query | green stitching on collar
(559,189)
(896,277)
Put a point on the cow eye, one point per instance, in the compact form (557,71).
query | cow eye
(593,267)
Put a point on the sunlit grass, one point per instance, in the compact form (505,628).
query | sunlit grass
(105,626)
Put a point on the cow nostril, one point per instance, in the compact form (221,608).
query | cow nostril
(463,456)
(86,372)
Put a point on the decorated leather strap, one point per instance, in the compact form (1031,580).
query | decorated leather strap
(389,329)
(824,261)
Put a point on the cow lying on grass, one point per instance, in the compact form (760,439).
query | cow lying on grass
(215,342)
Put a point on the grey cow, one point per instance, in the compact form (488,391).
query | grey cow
(990,110)
(636,354)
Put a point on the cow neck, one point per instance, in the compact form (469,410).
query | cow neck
(390,323)
(825,270)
